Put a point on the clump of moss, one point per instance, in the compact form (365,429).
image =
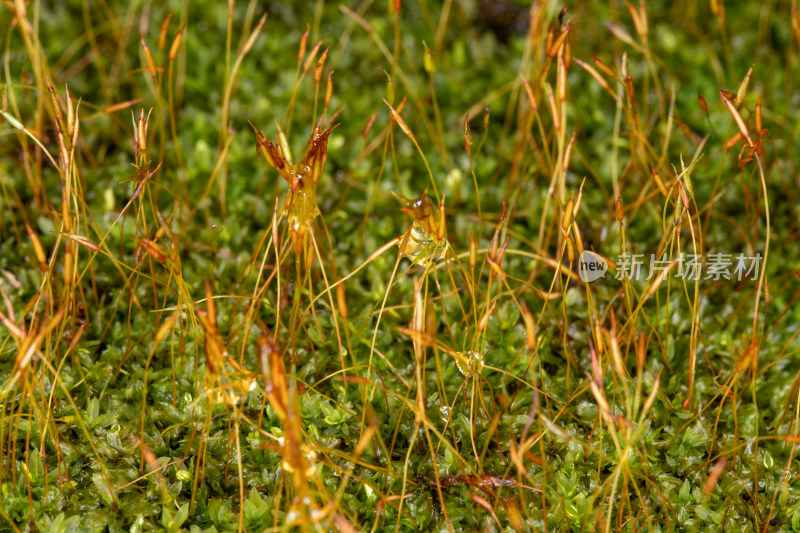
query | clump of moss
(185,345)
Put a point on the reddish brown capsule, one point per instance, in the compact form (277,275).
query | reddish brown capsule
(530,328)
(608,71)
(401,105)
(580,196)
(596,75)
(561,14)
(56,105)
(759,124)
(702,101)
(329,90)
(684,196)
(661,187)
(737,117)
(37,248)
(320,66)
(176,43)
(597,370)
(727,95)
(740,94)
(576,233)
(641,351)
(473,251)
(368,127)
(631,90)
(68,264)
(485,318)
(566,220)
(162,36)
(151,65)
(548,44)
(467,135)
(310,59)
(341,302)
(71,117)
(714,475)
(555,48)
(252,38)
(301,52)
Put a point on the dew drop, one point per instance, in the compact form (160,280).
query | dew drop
(469,363)
(423,247)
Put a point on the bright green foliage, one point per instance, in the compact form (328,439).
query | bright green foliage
(185,348)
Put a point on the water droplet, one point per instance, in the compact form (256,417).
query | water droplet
(444,413)
(469,363)
(423,247)
(768,462)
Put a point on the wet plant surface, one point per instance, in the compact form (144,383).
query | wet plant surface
(205,328)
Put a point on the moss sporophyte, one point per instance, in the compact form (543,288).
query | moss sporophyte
(426,240)
(300,206)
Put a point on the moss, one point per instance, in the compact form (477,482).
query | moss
(176,356)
